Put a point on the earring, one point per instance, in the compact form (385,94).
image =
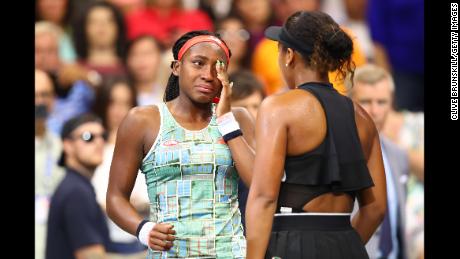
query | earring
(287,64)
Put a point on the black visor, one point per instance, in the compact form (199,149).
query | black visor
(280,34)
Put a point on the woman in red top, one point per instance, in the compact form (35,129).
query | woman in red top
(166,21)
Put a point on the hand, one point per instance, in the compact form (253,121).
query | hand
(225,96)
(161,237)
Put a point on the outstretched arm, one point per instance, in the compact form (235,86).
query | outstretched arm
(271,139)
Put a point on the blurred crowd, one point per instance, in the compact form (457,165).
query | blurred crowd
(106,57)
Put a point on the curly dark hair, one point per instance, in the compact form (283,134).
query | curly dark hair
(332,47)
(79,29)
(172,88)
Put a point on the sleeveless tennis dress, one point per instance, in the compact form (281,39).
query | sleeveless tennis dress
(192,184)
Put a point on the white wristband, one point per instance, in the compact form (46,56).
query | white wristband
(144,233)
(227,123)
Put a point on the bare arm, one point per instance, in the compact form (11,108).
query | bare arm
(68,74)
(91,252)
(372,201)
(242,148)
(127,157)
(271,138)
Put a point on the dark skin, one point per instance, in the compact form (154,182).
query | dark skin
(200,80)
(280,133)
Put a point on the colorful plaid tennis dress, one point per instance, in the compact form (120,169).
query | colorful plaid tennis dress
(192,184)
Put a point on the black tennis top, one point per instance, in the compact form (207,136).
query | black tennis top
(337,165)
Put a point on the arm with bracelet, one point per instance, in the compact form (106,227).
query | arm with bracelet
(129,151)
(237,128)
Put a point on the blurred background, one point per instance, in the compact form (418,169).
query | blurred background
(109,56)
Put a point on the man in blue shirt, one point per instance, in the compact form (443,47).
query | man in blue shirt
(76,223)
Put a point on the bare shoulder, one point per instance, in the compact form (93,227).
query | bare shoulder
(140,118)
(270,105)
(290,104)
(139,128)
(365,125)
(298,97)
(143,114)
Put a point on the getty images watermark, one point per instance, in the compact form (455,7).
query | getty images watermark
(454,61)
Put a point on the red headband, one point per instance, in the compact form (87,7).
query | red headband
(203,38)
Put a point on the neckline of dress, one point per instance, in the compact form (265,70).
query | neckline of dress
(182,127)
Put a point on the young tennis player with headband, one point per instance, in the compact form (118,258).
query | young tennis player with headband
(192,149)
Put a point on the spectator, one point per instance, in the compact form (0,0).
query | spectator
(47,150)
(58,12)
(166,20)
(356,21)
(47,37)
(47,58)
(76,223)
(336,9)
(248,91)
(144,63)
(372,89)
(406,129)
(256,16)
(113,100)
(72,83)
(216,9)
(232,30)
(127,6)
(99,37)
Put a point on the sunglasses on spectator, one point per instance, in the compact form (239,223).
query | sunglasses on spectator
(89,137)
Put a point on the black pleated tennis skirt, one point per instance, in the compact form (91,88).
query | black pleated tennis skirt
(314,237)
